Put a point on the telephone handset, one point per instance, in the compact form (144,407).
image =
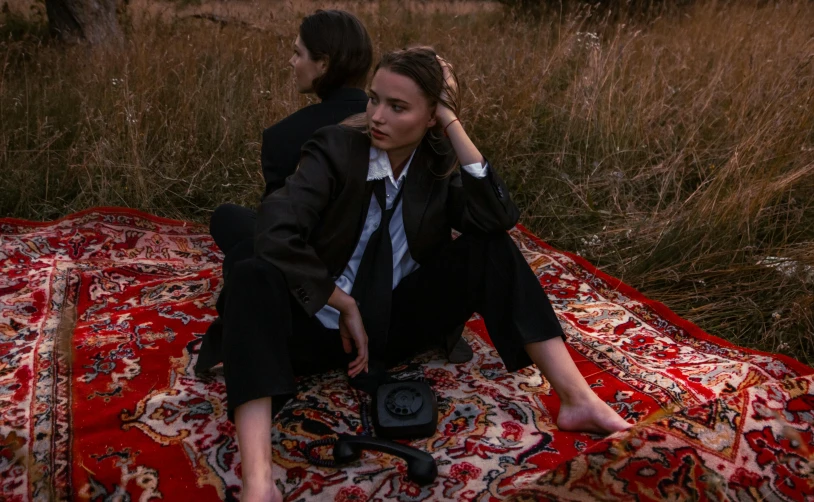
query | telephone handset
(403,410)
(421,467)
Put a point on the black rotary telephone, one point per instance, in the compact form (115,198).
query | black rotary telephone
(405,410)
(402,410)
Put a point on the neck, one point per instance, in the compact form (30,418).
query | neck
(399,157)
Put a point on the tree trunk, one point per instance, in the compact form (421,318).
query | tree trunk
(91,20)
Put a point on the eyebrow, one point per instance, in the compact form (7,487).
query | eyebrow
(391,100)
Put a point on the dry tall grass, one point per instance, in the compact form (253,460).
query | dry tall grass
(677,153)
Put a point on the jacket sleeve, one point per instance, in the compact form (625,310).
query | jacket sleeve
(287,217)
(480,204)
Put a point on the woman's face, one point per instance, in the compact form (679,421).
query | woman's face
(305,68)
(398,112)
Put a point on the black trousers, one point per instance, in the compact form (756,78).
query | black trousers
(268,338)
(232,228)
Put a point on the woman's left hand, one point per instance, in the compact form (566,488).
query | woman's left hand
(444,114)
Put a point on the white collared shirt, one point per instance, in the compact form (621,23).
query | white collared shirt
(403,263)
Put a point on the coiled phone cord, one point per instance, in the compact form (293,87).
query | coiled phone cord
(367,430)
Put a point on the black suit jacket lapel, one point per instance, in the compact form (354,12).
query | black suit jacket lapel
(417,191)
(354,221)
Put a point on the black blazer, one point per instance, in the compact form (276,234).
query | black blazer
(283,141)
(310,227)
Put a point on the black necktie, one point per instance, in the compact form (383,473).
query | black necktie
(373,285)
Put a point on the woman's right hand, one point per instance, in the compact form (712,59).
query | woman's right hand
(445,114)
(351,330)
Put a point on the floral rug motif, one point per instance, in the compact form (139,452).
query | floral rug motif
(101,318)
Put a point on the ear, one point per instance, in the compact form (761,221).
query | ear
(322,66)
(433,120)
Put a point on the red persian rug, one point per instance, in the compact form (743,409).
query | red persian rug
(101,317)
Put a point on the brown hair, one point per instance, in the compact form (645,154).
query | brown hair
(342,39)
(421,65)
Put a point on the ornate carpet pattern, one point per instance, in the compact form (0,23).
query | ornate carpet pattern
(101,317)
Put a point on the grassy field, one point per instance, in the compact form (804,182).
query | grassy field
(675,151)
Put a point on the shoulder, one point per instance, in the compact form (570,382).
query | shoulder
(339,139)
(337,148)
(294,123)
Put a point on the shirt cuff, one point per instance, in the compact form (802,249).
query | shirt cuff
(477,170)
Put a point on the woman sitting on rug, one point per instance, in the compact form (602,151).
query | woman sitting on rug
(332,56)
(355,267)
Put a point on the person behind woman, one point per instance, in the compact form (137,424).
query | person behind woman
(332,57)
(317,294)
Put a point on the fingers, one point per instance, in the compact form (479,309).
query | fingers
(356,366)
(352,331)
(361,362)
(446,66)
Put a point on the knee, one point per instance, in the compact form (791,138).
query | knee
(495,249)
(489,241)
(220,218)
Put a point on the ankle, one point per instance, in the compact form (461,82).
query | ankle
(577,397)
(258,475)
(265,493)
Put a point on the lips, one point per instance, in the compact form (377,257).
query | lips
(377,134)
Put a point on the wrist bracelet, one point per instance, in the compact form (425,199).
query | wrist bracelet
(450,123)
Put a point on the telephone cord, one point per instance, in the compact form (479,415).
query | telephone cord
(309,450)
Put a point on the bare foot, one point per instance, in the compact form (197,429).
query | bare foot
(261,492)
(590,415)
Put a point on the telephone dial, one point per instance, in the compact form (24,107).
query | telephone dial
(402,410)
(405,410)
